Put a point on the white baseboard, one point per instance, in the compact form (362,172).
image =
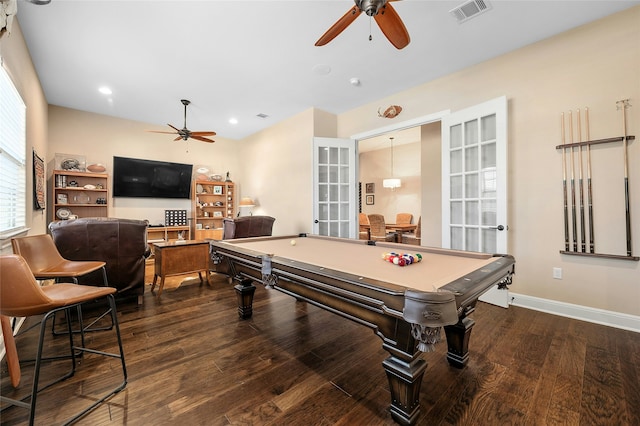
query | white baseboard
(584,313)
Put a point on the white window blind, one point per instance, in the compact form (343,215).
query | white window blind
(12,157)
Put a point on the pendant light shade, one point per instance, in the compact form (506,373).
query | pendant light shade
(391,182)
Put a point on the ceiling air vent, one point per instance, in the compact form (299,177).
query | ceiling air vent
(469,9)
(262,115)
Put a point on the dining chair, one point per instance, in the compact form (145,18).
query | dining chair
(414,238)
(363,224)
(22,296)
(404,218)
(45,262)
(378,229)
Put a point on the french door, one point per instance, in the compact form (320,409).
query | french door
(335,180)
(474,176)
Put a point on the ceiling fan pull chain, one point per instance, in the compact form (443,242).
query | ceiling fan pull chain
(370,19)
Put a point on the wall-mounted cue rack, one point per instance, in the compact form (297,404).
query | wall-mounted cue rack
(574,190)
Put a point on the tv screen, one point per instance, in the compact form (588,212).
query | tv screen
(134,177)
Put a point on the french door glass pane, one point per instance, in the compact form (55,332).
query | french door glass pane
(323,155)
(471,185)
(472,239)
(323,192)
(456,187)
(455,136)
(471,213)
(489,240)
(471,159)
(456,161)
(456,212)
(488,213)
(488,125)
(488,155)
(471,132)
(456,238)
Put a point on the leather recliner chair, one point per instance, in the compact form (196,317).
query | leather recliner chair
(121,243)
(247,226)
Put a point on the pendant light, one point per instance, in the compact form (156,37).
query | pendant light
(392,182)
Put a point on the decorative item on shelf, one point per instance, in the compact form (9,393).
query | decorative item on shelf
(81,198)
(217,214)
(101,200)
(216,178)
(217,190)
(62,199)
(63,213)
(228,179)
(175,217)
(199,189)
(99,186)
(96,168)
(392,182)
(89,186)
(73,184)
(70,162)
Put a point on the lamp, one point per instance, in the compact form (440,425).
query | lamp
(246,202)
(392,182)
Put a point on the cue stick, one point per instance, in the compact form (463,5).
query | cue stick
(624,105)
(564,186)
(592,241)
(573,187)
(11,353)
(583,245)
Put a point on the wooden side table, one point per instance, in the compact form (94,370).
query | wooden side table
(179,258)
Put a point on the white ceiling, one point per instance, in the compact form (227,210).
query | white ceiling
(243,58)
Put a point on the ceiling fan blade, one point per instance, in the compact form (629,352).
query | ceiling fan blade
(160,131)
(174,128)
(392,26)
(178,138)
(203,133)
(339,26)
(202,138)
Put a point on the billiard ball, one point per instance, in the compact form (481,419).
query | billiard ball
(293,242)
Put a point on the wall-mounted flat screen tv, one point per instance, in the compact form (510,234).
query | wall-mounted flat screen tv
(134,177)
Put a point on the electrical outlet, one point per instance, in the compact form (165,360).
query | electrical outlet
(557,273)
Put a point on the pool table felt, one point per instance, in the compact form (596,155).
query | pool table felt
(437,268)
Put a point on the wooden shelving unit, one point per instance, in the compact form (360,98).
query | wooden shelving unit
(165,234)
(80,194)
(211,202)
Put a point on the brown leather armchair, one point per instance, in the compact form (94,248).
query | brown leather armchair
(121,243)
(247,226)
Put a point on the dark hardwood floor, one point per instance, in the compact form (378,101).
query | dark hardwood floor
(192,361)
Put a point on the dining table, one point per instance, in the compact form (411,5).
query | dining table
(396,228)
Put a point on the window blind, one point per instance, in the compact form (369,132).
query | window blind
(12,157)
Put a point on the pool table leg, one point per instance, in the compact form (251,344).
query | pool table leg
(405,379)
(244,294)
(458,341)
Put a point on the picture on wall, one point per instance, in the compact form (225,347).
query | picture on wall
(370,188)
(369,200)
(38,182)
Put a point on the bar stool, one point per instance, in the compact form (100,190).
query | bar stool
(45,262)
(22,296)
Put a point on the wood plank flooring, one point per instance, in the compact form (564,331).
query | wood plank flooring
(192,361)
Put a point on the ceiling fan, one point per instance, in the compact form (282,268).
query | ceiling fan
(385,15)
(185,133)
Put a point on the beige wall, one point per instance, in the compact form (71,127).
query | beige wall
(99,138)
(17,61)
(594,65)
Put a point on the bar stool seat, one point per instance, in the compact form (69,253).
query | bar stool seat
(22,296)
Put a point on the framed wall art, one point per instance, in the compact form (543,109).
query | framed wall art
(370,200)
(370,187)
(39,197)
(217,190)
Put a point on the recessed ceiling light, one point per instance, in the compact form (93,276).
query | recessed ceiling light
(105,90)
(355,81)
(321,69)
(233,120)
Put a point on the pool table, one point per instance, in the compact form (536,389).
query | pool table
(406,306)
